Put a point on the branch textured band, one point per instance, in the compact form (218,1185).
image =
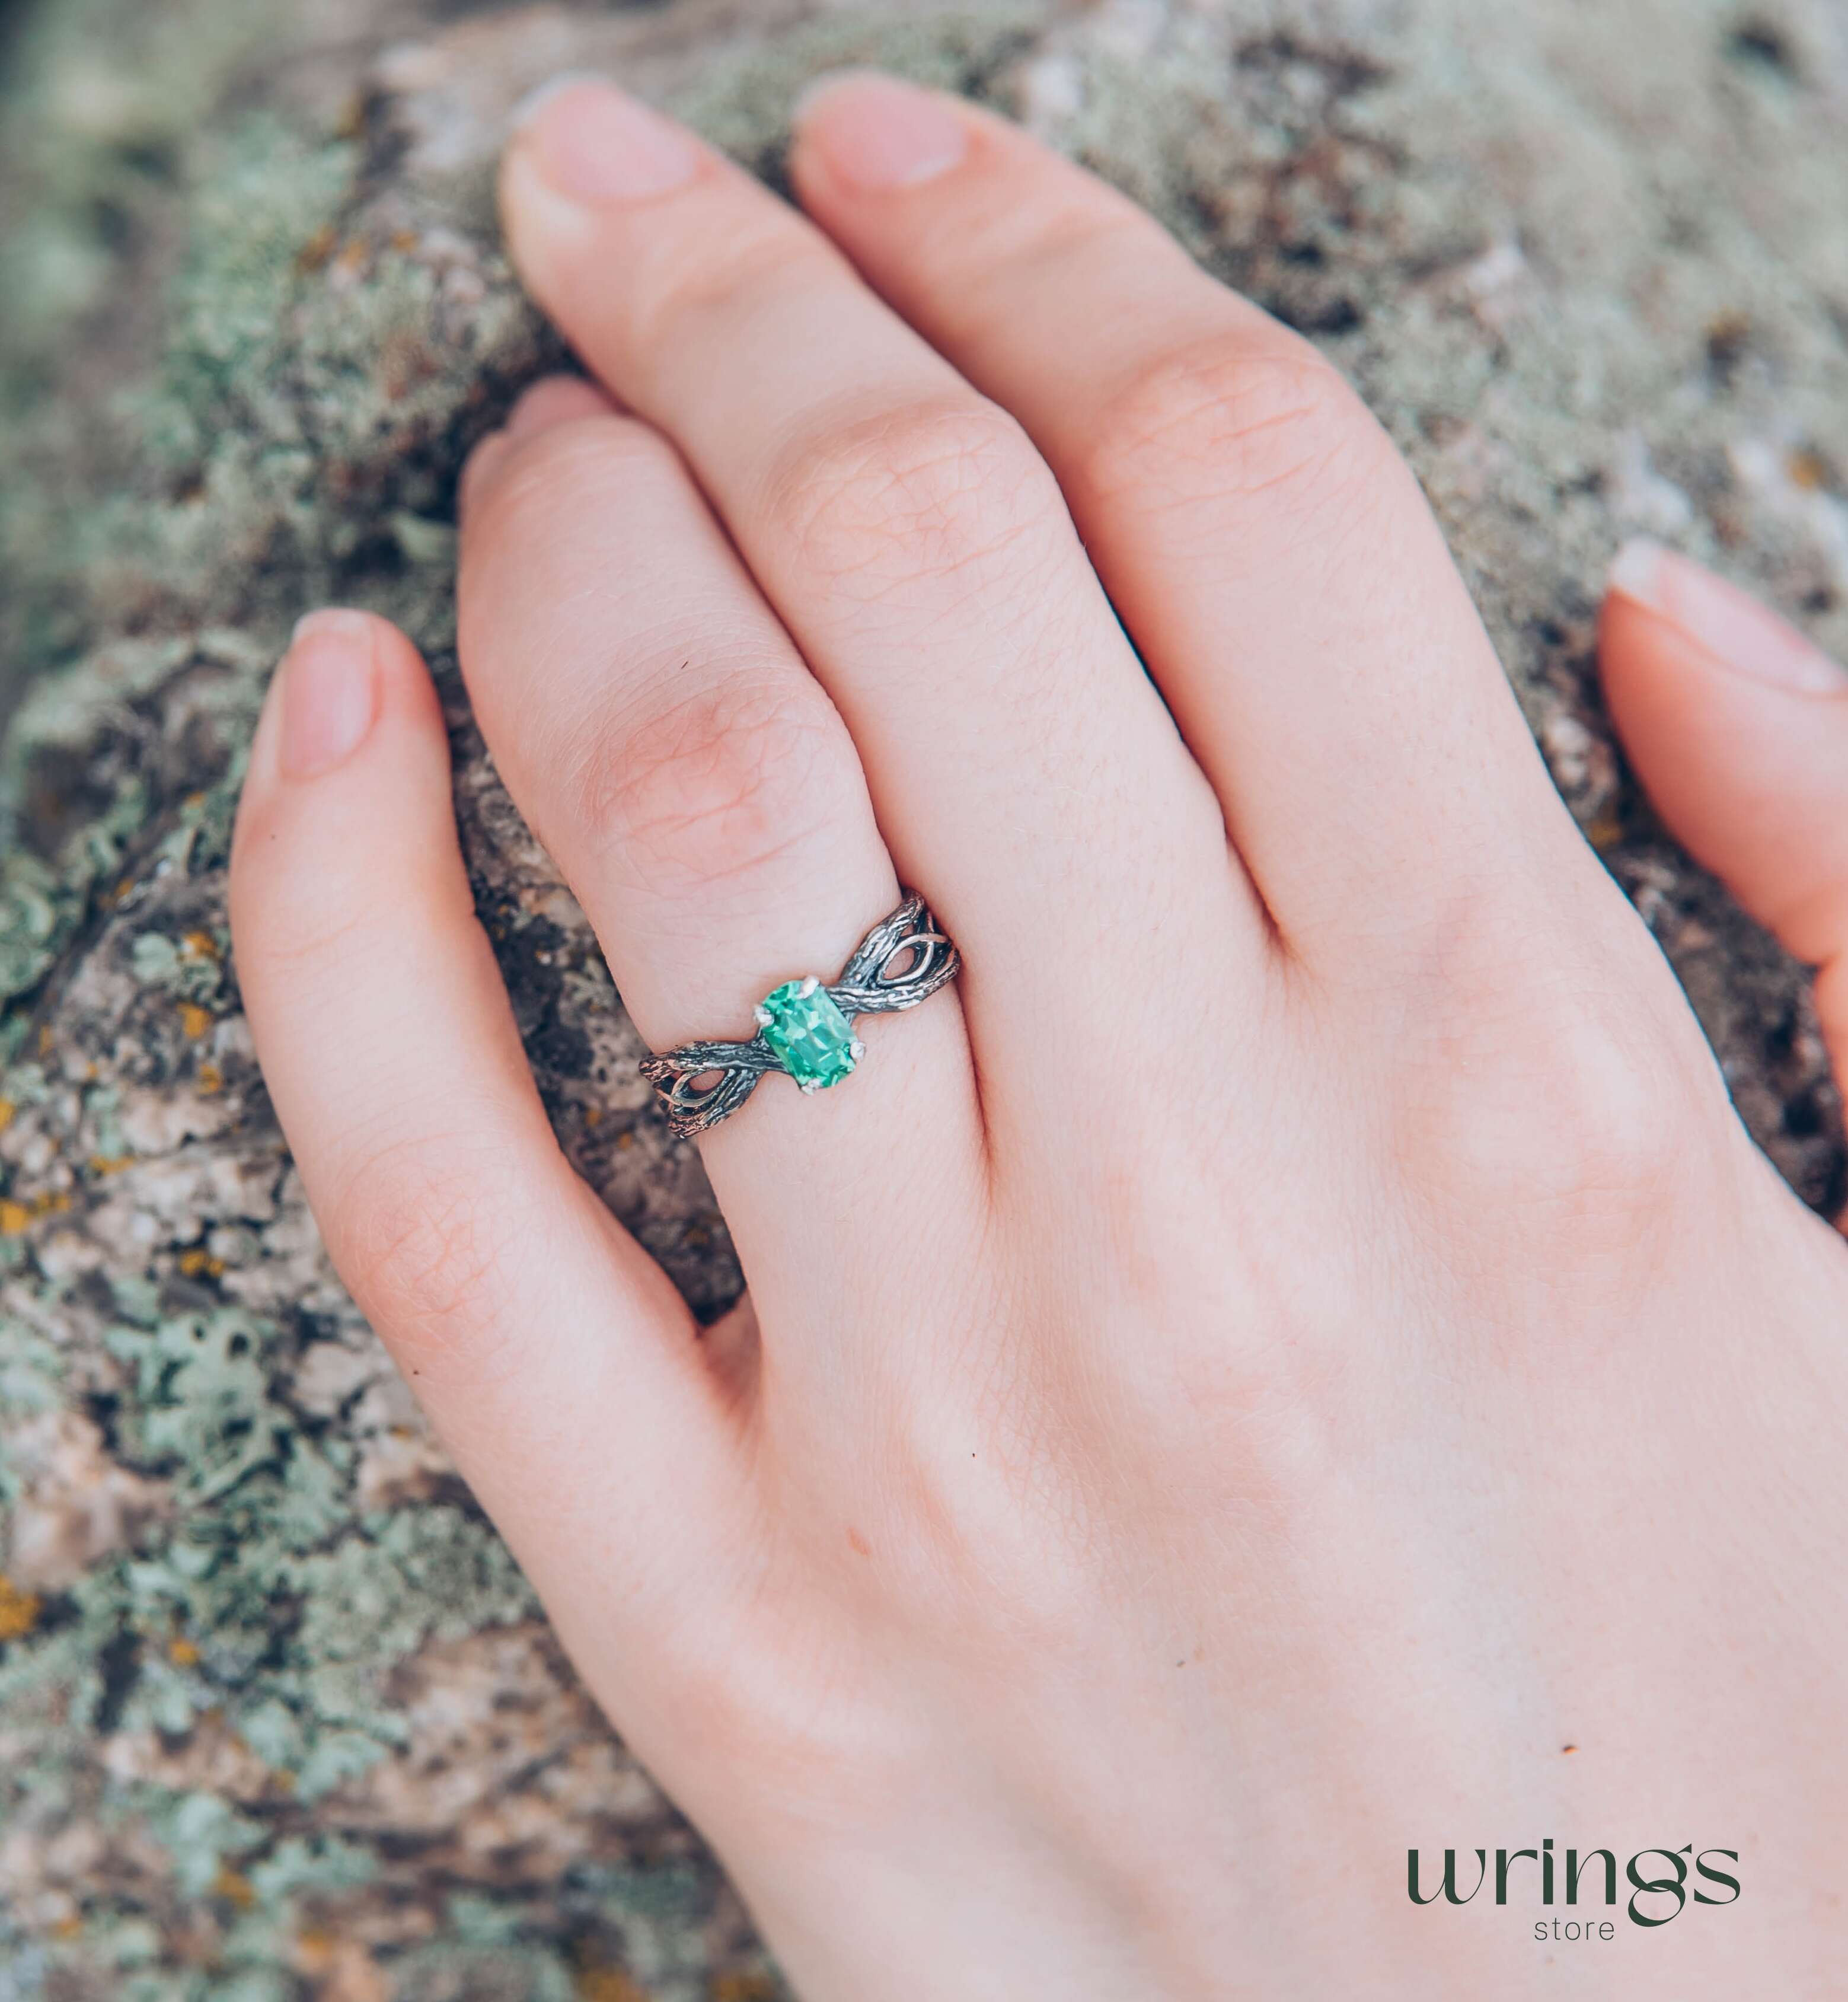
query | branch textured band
(805,1028)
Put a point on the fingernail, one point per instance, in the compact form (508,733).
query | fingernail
(554,400)
(877,134)
(594,144)
(327,691)
(1725,623)
(527,111)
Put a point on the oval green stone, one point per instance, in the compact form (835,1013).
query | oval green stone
(811,1038)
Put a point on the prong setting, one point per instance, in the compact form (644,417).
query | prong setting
(804,1027)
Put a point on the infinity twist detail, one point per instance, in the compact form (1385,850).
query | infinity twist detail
(900,961)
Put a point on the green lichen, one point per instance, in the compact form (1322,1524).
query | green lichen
(36,917)
(268,1606)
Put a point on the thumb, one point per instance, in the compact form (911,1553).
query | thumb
(1738,726)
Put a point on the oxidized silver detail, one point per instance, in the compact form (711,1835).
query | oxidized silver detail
(899,962)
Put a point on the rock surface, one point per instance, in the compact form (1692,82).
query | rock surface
(278,1717)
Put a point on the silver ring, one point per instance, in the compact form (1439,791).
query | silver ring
(804,1028)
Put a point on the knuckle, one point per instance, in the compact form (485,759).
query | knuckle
(1614,1134)
(1558,1112)
(296,912)
(421,1242)
(693,291)
(939,489)
(1229,418)
(714,788)
(316,936)
(779,1703)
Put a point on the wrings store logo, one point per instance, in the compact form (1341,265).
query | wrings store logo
(1657,1882)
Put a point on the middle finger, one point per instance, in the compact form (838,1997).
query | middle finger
(1026,774)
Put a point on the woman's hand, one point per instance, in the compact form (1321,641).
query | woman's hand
(1292,1359)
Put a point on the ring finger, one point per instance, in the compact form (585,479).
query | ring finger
(702,797)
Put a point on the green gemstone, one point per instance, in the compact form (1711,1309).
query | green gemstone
(810,1038)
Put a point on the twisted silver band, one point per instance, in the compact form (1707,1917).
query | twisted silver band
(899,962)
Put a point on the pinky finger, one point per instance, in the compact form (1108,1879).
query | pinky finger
(553,1356)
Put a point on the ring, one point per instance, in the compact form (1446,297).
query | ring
(805,1028)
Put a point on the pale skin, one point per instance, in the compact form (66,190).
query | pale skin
(1296,1337)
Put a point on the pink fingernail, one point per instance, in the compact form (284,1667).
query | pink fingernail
(1724,622)
(594,144)
(877,134)
(328,694)
(555,400)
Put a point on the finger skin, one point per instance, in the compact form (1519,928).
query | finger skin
(1738,729)
(1026,776)
(552,400)
(656,727)
(1268,549)
(702,798)
(552,1354)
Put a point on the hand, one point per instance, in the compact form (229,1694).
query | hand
(1291,1360)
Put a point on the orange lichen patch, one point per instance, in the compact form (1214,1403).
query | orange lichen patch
(408,361)
(196,1263)
(7,1110)
(19,1611)
(625,1140)
(608,1984)
(404,240)
(182,1653)
(198,945)
(68,1927)
(341,1968)
(16,1212)
(211,1079)
(316,251)
(593,1115)
(314,1950)
(234,1888)
(45,1039)
(1807,470)
(352,258)
(1605,834)
(193,1020)
(743,1988)
(1728,336)
(110,1164)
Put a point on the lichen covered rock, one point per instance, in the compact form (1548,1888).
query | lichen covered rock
(278,1716)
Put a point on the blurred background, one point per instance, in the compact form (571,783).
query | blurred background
(278,1717)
